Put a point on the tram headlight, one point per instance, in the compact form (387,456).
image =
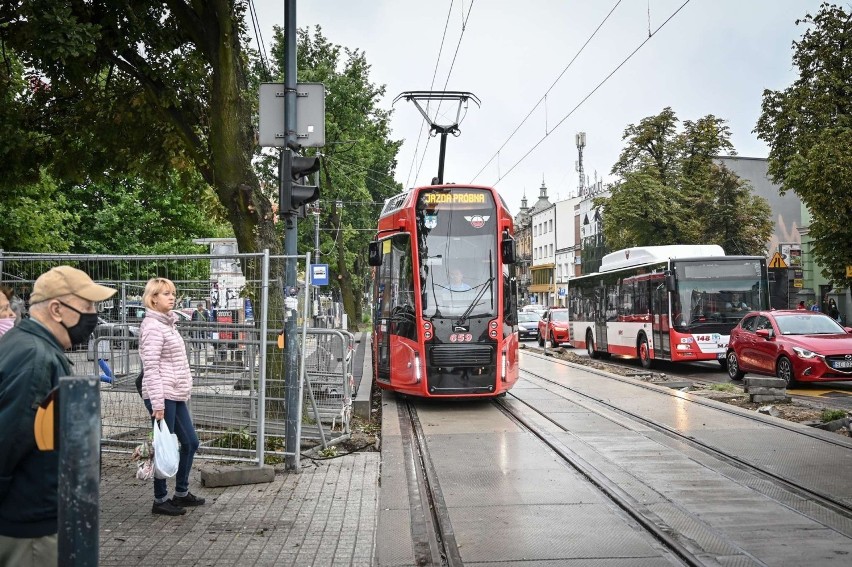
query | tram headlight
(493,333)
(417,376)
(505,366)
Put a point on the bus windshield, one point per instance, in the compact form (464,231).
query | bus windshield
(718,290)
(457,244)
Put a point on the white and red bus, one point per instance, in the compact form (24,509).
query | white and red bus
(676,303)
(444,304)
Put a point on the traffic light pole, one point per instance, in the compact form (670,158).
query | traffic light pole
(291,234)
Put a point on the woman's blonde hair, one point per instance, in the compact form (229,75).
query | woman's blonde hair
(155,286)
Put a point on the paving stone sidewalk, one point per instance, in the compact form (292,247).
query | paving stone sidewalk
(323,516)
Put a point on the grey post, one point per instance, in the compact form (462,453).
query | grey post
(291,236)
(79,469)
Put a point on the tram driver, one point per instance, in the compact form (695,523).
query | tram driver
(457,282)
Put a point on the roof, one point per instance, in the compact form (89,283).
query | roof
(641,255)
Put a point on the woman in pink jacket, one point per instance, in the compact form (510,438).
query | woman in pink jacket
(166,387)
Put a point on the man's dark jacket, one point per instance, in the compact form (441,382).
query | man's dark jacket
(31,362)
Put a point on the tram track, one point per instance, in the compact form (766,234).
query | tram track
(641,514)
(826,500)
(433,538)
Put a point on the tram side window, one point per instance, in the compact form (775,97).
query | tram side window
(395,288)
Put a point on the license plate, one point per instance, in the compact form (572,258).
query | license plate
(842,364)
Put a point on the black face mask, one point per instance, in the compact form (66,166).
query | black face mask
(79,333)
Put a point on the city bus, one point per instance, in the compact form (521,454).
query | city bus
(444,304)
(676,303)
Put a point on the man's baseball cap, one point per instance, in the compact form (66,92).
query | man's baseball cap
(65,280)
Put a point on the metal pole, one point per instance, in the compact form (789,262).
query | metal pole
(79,469)
(441,157)
(291,235)
(264,345)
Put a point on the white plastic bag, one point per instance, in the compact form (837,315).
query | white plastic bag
(166,454)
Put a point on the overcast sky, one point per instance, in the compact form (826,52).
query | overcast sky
(712,57)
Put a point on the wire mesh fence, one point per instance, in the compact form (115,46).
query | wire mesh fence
(230,312)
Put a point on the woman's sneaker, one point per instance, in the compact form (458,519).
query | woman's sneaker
(189,500)
(167,508)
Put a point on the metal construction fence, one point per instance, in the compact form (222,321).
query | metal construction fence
(239,387)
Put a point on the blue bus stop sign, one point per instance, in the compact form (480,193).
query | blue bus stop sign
(319,274)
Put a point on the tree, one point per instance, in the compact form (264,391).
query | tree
(808,127)
(358,159)
(144,89)
(666,176)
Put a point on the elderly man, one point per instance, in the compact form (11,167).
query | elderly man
(62,314)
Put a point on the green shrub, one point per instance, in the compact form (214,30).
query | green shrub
(832,414)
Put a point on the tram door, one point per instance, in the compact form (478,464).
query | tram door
(382,335)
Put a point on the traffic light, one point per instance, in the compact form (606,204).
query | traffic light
(294,195)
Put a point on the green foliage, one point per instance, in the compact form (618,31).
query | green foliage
(832,414)
(666,176)
(135,216)
(808,127)
(358,160)
(36,218)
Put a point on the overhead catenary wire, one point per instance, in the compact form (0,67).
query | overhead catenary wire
(593,91)
(550,88)
(431,86)
(261,47)
(449,73)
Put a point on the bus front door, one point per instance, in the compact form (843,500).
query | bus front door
(661,322)
(601,343)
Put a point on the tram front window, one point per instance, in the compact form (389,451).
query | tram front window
(457,244)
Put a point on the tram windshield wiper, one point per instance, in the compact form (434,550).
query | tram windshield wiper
(483,286)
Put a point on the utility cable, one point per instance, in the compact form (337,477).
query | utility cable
(544,96)
(449,73)
(431,85)
(255,22)
(593,91)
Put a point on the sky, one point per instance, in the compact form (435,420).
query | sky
(705,57)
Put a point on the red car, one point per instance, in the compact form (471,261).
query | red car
(554,326)
(805,346)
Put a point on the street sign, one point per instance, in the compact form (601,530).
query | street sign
(849,271)
(777,261)
(319,274)
(798,283)
(310,115)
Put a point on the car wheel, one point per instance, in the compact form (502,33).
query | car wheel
(784,370)
(734,372)
(644,352)
(553,340)
(540,341)
(590,346)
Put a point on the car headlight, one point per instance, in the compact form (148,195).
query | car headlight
(805,353)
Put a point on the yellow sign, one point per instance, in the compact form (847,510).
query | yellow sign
(798,283)
(454,198)
(777,261)
(849,271)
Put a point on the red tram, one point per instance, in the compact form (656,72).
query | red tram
(444,304)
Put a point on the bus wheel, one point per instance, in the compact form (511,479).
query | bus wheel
(590,346)
(644,352)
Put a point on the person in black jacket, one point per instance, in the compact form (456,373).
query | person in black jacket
(32,359)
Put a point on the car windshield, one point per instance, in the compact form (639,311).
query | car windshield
(528,317)
(808,325)
(561,316)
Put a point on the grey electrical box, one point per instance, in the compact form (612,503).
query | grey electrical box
(310,115)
